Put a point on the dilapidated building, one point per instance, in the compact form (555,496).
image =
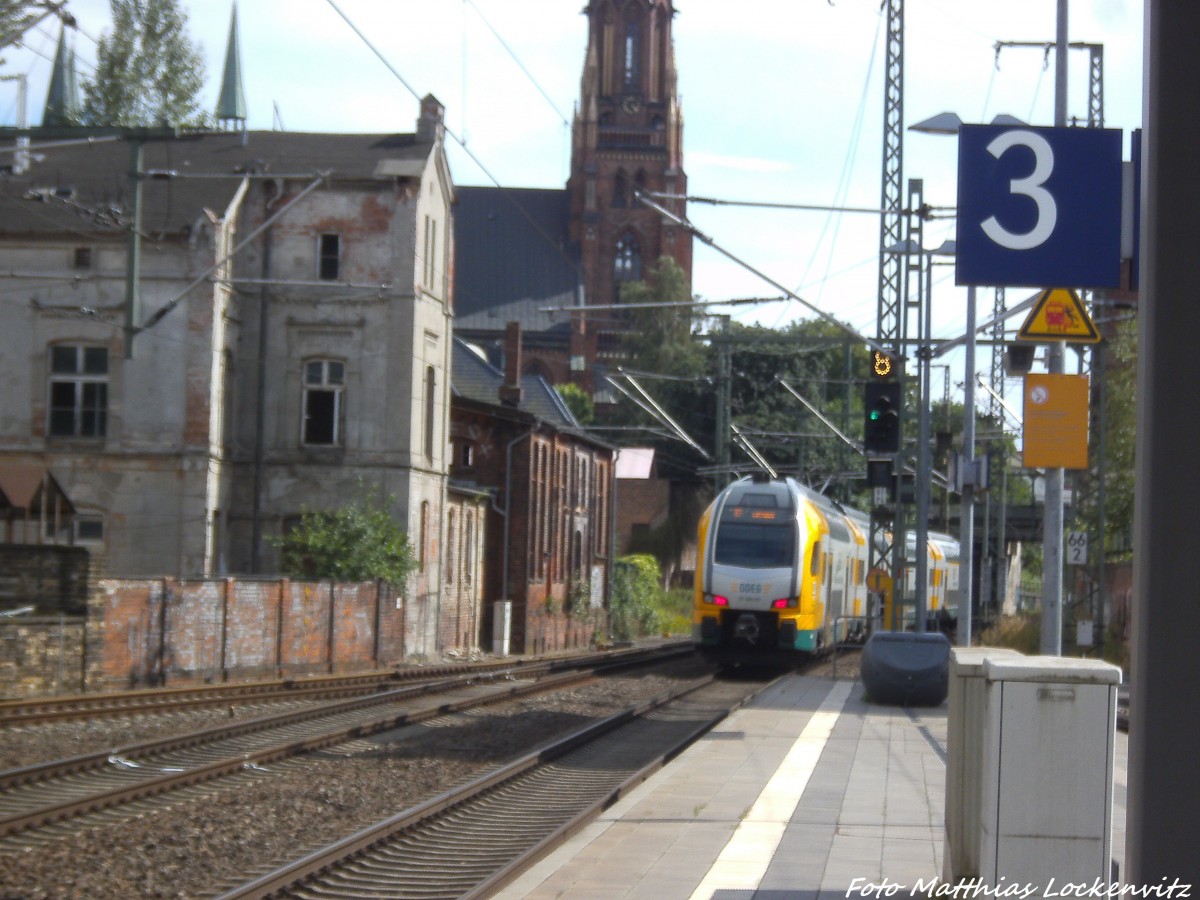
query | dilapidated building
(207,335)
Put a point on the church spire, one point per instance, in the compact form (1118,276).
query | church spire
(62,100)
(231,105)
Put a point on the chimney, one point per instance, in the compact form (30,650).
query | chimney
(431,125)
(510,391)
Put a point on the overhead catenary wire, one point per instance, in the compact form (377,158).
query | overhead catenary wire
(550,241)
(171,304)
(703,238)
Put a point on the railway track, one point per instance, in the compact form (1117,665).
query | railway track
(152,701)
(472,840)
(44,801)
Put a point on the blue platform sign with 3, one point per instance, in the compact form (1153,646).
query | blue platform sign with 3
(1039,207)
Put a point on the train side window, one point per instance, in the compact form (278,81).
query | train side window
(815,566)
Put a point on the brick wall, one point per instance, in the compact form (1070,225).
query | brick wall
(50,577)
(41,655)
(161,631)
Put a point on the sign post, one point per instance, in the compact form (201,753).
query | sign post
(1041,207)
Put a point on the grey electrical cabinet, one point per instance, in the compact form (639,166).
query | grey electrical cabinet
(966,718)
(1049,737)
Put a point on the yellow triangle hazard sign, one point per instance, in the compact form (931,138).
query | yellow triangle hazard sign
(1059,315)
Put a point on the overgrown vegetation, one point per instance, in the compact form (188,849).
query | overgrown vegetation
(1022,633)
(640,606)
(634,611)
(356,542)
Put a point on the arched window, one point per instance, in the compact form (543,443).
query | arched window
(627,263)
(630,50)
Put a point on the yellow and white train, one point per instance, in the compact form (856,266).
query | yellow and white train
(782,569)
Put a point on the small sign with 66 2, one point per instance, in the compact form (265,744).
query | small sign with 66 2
(1077,542)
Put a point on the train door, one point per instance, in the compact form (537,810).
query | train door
(828,570)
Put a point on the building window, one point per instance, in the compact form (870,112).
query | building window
(423,549)
(430,409)
(469,563)
(324,381)
(632,32)
(466,455)
(82,258)
(89,528)
(78,391)
(451,545)
(431,268)
(627,264)
(329,257)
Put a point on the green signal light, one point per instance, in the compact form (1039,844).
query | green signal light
(876,415)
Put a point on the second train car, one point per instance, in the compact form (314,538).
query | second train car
(781,570)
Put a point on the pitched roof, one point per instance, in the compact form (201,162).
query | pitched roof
(476,379)
(515,257)
(84,187)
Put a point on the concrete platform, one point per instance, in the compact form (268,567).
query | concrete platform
(808,793)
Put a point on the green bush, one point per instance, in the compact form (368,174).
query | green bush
(356,542)
(635,597)
(675,612)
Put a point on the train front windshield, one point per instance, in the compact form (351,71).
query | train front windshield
(756,546)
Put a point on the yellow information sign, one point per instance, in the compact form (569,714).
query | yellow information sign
(1059,315)
(1056,422)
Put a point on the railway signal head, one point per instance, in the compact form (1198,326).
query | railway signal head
(881,426)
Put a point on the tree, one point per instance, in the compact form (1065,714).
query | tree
(17,18)
(578,402)
(148,72)
(1121,440)
(826,367)
(660,339)
(357,542)
(661,349)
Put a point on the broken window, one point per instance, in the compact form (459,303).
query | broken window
(78,391)
(324,381)
(329,257)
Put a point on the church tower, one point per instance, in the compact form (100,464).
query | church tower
(627,136)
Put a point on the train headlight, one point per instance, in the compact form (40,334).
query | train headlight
(716,599)
(784,603)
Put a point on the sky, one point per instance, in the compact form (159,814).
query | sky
(782,104)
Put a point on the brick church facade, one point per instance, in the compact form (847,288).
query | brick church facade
(627,137)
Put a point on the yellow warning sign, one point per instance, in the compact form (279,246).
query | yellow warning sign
(1059,315)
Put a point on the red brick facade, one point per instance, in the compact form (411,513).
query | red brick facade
(549,532)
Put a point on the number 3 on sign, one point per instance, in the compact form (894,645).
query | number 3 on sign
(1077,542)
(1030,186)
